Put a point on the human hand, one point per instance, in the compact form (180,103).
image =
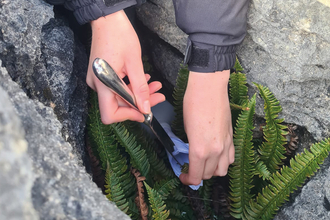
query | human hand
(114,40)
(207,120)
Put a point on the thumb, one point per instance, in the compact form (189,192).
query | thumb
(139,86)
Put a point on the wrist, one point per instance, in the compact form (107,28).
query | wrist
(212,79)
(107,21)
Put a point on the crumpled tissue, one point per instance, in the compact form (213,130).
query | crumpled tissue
(181,150)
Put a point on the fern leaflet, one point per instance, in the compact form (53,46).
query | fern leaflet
(114,191)
(99,133)
(178,95)
(157,204)
(138,156)
(157,165)
(238,89)
(286,181)
(272,150)
(242,170)
(165,187)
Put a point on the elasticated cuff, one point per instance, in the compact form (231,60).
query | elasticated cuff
(86,11)
(207,58)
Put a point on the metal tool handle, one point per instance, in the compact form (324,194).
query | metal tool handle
(109,77)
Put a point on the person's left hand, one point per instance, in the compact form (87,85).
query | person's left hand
(207,120)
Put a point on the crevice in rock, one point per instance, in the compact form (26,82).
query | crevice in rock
(159,51)
(326,203)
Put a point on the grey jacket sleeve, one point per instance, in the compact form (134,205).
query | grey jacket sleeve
(88,10)
(215,29)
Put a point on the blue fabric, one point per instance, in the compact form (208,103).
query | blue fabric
(180,152)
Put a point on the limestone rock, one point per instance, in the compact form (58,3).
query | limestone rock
(61,188)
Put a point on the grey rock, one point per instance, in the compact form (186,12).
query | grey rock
(312,203)
(41,55)
(166,60)
(61,188)
(159,17)
(15,166)
(287,49)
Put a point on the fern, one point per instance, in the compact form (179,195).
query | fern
(157,204)
(157,165)
(286,181)
(178,95)
(179,210)
(165,187)
(114,191)
(238,67)
(238,89)
(261,169)
(258,165)
(272,150)
(138,156)
(107,148)
(205,193)
(99,133)
(242,171)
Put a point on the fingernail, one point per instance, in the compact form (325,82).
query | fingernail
(146,107)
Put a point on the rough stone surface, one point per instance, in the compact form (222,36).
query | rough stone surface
(166,60)
(313,200)
(287,49)
(41,55)
(16,177)
(61,188)
(159,16)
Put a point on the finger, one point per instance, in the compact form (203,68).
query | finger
(111,112)
(195,174)
(154,87)
(231,155)
(139,84)
(211,165)
(156,98)
(147,76)
(223,165)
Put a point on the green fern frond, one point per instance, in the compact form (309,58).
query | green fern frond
(237,66)
(205,192)
(286,181)
(138,157)
(157,204)
(272,150)
(114,191)
(261,169)
(178,94)
(179,210)
(177,195)
(238,89)
(132,208)
(144,139)
(242,170)
(165,187)
(99,133)
(104,143)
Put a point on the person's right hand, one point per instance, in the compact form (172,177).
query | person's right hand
(114,40)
